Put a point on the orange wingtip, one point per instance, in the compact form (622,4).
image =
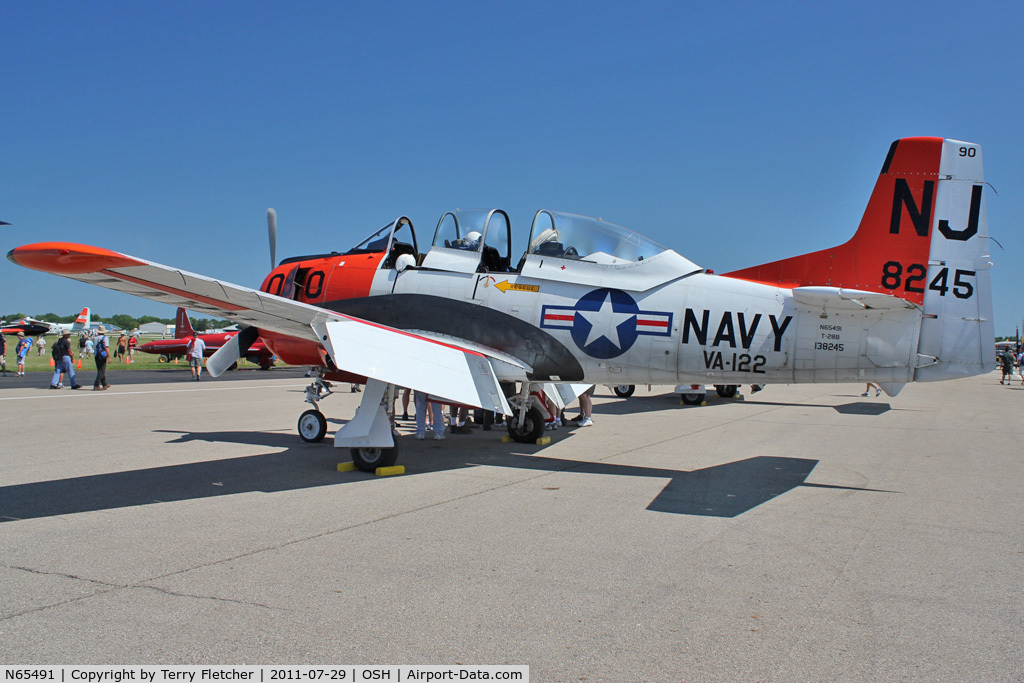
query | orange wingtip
(66,258)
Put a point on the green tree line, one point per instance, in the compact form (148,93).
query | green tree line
(121,320)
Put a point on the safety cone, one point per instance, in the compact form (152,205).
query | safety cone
(79,363)
(175,361)
(51,362)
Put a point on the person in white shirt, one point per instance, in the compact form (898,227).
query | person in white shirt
(195,355)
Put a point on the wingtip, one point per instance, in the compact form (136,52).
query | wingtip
(65,258)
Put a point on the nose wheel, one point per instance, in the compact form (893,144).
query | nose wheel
(312,426)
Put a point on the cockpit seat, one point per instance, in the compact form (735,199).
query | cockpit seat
(397,249)
(492,261)
(550,249)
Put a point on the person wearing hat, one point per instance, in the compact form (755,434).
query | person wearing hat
(100,354)
(21,350)
(194,351)
(62,362)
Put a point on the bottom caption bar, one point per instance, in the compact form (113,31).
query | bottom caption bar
(147,673)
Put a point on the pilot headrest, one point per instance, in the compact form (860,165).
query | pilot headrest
(404,261)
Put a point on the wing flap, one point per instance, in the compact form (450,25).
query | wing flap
(377,352)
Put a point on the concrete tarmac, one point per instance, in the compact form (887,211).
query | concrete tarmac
(802,533)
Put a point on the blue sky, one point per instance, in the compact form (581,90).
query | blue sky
(735,133)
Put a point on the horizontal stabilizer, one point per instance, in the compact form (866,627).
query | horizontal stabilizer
(838,298)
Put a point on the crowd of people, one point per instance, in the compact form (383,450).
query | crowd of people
(1007,362)
(431,416)
(91,344)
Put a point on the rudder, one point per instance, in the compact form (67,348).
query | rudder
(958,330)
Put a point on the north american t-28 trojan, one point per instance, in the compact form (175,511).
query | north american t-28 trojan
(908,298)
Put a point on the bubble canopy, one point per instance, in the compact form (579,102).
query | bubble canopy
(568,235)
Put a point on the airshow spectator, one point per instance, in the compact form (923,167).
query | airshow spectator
(868,388)
(21,350)
(1006,361)
(88,347)
(195,355)
(40,345)
(3,353)
(63,362)
(101,353)
(122,347)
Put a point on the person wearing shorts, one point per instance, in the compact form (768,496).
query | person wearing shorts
(195,355)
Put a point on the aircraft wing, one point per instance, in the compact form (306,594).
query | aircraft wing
(456,373)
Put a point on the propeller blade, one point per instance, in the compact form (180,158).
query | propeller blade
(272,232)
(231,351)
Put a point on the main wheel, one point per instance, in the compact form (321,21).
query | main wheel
(312,426)
(533,427)
(726,390)
(369,459)
(624,390)
(163,359)
(692,399)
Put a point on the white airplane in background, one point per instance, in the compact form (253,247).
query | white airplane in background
(31,326)
(907,299)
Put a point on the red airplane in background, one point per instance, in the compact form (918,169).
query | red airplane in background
(258,353)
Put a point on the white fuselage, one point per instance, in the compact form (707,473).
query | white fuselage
(692,328)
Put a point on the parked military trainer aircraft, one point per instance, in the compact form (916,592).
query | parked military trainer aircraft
(908,298)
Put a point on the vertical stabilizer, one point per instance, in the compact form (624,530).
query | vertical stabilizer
(182,325)
(924,239)
(82,321)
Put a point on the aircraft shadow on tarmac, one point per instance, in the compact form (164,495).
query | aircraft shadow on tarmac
(725,490)
(643,404)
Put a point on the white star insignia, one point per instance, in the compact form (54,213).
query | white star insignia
(603,318)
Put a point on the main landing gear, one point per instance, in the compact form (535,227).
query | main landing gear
(369,435)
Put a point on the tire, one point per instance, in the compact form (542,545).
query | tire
(624,390)
(312,426)
(727,390)
(369,459)
(692,399)
(163,359)
(532,429)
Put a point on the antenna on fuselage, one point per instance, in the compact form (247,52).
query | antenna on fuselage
(272,233)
